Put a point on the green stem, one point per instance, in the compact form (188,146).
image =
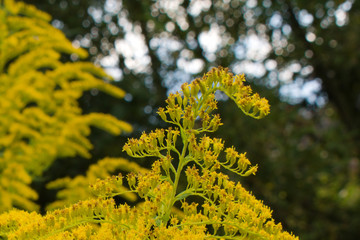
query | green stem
(182,161)
(177,178)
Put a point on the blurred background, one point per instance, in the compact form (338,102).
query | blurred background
(301,55)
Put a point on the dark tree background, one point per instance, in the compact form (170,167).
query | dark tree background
(302,55)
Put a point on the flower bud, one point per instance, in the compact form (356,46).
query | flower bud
(160,136)
(202,87)
(162,114)
(194,88)
(131,178)
(174,136)
(252,170)
(128,150)
(172,114)
(171,100)
(179,99)
(185,101)
(185,90)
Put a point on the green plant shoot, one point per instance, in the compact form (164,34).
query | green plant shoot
(227,210)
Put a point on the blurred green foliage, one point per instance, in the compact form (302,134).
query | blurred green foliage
(308,147)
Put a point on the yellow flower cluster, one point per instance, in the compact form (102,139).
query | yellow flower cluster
(43,120)
(101,183)
(152,144)
(94,219)
(206,152)
(18,224)
(40,118)
(14,179)
(229,207)
(225,209)
(198,100)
